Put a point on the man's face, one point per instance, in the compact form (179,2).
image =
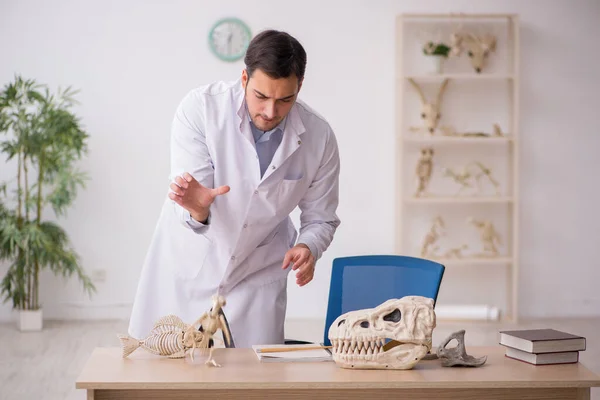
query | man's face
(269,100)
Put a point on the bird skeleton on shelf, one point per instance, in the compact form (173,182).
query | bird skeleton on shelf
(430,110)
(489,236)
(429,248)
(424,170)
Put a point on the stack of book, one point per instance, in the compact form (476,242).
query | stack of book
(542,346)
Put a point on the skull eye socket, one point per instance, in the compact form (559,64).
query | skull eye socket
(364,324)
(423,115)
(470,53)
(341,322)
(394,316)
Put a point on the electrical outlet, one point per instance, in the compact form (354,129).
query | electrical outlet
(98,275)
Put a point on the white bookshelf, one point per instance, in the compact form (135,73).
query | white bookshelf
(472,102)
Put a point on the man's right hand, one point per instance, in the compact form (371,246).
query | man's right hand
(191,195)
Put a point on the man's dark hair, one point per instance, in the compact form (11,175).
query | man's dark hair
(277,54)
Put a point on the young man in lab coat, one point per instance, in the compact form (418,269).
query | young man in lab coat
(244,155)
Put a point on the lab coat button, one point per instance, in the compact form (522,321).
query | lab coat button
(273,167)
(245,225)
(256,192)
(232,258)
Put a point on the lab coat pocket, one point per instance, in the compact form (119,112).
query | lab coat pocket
(192,255)
(290,192)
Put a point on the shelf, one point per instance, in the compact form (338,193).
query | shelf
(473,261)
(498,87)
(464,76)
(458,199)
(459,139)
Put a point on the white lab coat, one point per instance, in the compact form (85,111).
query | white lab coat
(240,251)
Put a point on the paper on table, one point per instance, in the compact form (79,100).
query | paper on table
(292,356)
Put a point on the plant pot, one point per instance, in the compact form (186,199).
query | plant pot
(30,320)
(436,64)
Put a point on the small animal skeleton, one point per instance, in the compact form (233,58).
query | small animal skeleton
(462,178)
(173,338)
(424,169)
(429,248)
(455,252)
(448,130)
(487,173)
(489,236)
(473,171)
(430,110)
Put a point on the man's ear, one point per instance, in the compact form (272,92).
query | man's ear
(244,78)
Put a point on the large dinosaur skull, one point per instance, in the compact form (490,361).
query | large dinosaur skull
(394,335)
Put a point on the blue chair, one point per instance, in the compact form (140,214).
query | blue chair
(367,281)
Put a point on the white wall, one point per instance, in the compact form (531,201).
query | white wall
(134,60)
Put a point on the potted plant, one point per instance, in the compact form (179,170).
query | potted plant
(438,52)
(43,139)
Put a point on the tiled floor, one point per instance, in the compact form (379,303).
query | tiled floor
(45,365)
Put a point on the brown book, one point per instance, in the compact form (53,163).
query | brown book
(542,340)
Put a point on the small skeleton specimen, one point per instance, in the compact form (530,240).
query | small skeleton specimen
(485,172)
(473,171)
(210,322)
(455,252)
(169,337)
(478,47)
(173,338)
(430,110)
(463,178)
(360,338)
(429,248)
(451,131)
(424,170)
(489,236)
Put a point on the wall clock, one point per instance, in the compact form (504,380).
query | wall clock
(229,38)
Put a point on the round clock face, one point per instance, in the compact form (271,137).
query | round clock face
(229,39)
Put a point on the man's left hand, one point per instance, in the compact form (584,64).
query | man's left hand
(303,260)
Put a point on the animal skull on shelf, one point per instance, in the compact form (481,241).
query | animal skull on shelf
(479,49)
(394,335)
(430,110)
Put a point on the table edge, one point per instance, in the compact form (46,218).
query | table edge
(335,385)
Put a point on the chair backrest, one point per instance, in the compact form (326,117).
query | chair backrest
(367,281)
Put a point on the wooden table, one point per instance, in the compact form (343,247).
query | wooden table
(144,376)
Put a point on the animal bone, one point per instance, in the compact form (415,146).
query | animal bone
(431,237)
(424,169)
(489,236)
(169,337)
(462,178)
(479,49)
(455,251)
(473,171)
(457,356)
(487,173)
(360,338)
(173,338)
(430,110)
(210,322)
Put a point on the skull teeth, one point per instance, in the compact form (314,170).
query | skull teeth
(357,346)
